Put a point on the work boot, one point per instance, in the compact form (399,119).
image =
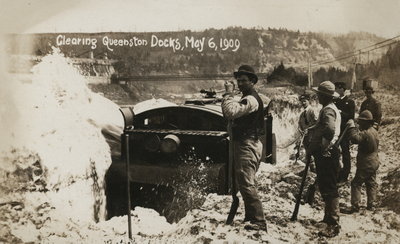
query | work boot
(256,226)
(351,210)
(332,211)
(330,231)
(323,223)
(324,219)
(371,208)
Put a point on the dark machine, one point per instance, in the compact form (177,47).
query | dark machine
(168,144)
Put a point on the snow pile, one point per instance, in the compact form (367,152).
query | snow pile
(53,153)
(147,225)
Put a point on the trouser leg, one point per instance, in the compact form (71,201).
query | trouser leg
(356,184)
(247,160)
(332,211)
(327,174)
(333,227)
(345,145)
(372,187)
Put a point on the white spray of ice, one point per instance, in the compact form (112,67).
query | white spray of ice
(52,148)
(286,115)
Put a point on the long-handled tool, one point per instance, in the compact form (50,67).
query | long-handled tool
(231,173)
(303,180)
(337,143)
(299,148)
(128,188)
(308,160)
(298,199)
(128,114)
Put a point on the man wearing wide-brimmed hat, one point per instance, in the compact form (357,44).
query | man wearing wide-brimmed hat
(373,105)
(247,128)
(367,160)
(321,138)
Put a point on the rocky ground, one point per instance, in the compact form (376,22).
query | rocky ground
(54,159)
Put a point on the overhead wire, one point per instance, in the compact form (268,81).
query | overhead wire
(358,52)
(373,45)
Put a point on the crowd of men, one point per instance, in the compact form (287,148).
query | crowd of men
(321,131)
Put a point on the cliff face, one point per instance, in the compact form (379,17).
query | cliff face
(207,52)
(96,71)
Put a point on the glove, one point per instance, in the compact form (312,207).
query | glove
(229,87)
(376,126)
(350,123)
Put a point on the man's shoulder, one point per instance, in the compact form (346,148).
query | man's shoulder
(376,101)
(249,99)
(349,100)
(371,100)
(366,102)
(371,130)
(253,94)
(329,110)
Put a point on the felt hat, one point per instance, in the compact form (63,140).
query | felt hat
(326,88)
(366,115)
(246,70)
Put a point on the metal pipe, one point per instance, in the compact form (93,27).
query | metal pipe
(128,186)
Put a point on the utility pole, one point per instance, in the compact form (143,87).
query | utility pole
(354,77)
(311,76)
(308,72)
(309,81)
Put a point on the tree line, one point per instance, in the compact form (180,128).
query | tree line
(385,70)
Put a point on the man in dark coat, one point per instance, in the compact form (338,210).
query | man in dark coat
(247,128)
(321,139)
(367,160)
(346,107)
(373,105)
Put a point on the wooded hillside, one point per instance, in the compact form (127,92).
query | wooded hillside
(213,51)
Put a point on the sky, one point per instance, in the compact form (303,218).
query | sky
(380,17)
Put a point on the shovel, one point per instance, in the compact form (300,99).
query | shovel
(231,173)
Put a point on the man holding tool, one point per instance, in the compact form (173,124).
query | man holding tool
(320,144)
(247,127)
(367,138)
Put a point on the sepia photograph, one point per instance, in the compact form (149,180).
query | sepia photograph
(184,121)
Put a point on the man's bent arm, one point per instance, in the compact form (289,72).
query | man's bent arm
(233,109)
